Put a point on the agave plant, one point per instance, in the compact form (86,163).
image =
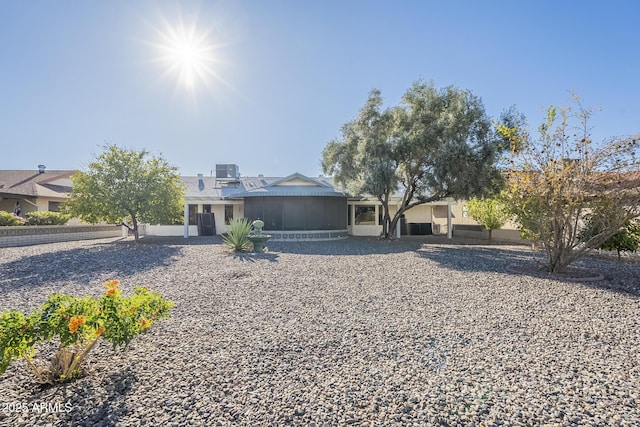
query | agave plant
(237,237)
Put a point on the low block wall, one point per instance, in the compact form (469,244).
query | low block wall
(477,232)
(34,235)
(306,235)
(170,230)
(474,231)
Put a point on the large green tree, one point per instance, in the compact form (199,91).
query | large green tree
(127,187)
(437,143)
(562,182)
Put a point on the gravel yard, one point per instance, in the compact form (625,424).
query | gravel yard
(361,332)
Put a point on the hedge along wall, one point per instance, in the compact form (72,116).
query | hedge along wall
(34,235)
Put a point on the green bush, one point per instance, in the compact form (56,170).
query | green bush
(76,323)
(237,238)
(46,218)
(7,218)
(490,213)
(627,239)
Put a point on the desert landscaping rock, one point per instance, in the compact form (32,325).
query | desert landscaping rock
(351,332)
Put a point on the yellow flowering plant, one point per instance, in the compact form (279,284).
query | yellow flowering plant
(77,323)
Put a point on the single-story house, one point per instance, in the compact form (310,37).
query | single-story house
(299,207)
(34,190)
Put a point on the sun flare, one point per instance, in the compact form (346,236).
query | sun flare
(188,55)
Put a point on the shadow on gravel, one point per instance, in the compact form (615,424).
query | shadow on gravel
(619,277)
(352,246)
(253,257)
(85,264)
(113,406)
(475,258)
(175,240)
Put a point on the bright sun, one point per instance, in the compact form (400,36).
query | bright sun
(188,55)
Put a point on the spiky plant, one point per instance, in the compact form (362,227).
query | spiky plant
(237,237)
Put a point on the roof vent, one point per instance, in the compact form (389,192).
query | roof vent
(41,168)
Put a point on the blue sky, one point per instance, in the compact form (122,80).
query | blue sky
(285,75)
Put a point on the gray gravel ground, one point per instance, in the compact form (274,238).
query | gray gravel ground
(415,332)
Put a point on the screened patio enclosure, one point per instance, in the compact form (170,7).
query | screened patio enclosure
(300,213)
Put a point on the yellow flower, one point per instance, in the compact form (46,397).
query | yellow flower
(112,291)
(144,323)
(111,284)
(75,323)
(23,329)
(100,331)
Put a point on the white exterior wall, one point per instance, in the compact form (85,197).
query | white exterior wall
(369,229)
(435,214)
(41,204)
(8,205)
(238,211)
(218,216)
(217,208)
(170,230)
(439,218)
(508,232)
(420,213)
(457,211)
(366,230)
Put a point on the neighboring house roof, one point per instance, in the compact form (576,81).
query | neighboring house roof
(54,184)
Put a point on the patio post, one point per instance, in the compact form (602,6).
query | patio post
(186,220)
(449,227)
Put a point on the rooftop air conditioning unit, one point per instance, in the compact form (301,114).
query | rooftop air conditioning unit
(228,172)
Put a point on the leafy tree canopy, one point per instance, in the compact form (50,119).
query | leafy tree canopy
(626,239)
(437,143)
(127,187)
(562,180)
(491,213)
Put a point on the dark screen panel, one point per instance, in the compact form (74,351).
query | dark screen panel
(336,213)
(273,213)
(298,213)
(295,215)
(316,218)
(253,208)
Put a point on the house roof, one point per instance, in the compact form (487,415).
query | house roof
(31,183)
(206,188)
(295,185)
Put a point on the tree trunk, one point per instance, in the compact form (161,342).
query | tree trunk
(388,225)
(387,222)
(134,220)
(394,225)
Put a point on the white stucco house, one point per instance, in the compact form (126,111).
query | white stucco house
(299,207)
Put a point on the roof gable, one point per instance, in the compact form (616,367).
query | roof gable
(297,179)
